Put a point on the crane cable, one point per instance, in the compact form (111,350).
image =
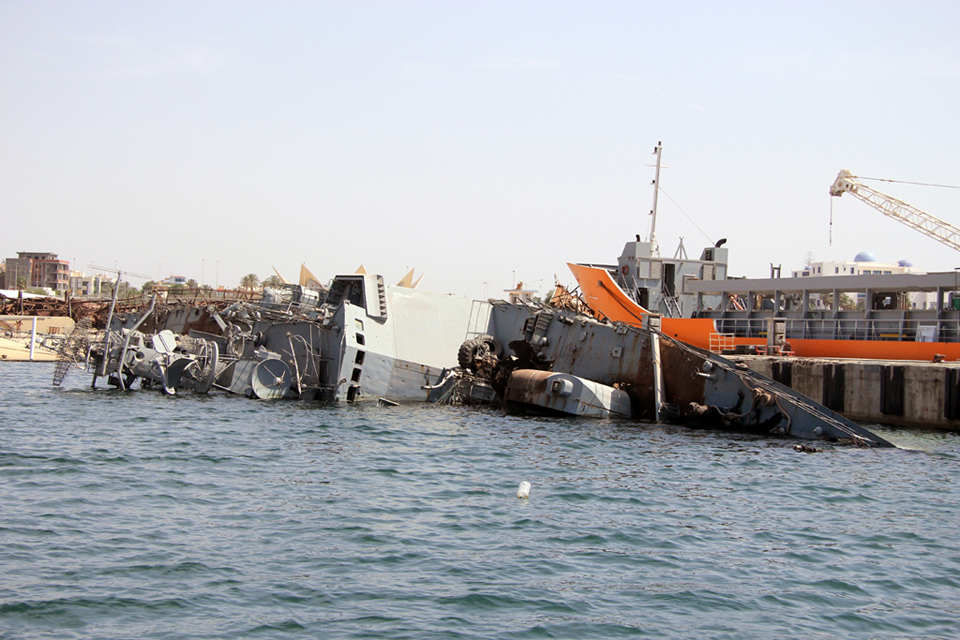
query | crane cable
(831,221)
(922,184)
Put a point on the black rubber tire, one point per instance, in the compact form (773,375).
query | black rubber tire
(465,354)
(488,346)
(478,347)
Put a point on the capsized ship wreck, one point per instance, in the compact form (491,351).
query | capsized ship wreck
(364,340)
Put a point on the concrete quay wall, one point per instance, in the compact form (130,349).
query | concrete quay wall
(902,393)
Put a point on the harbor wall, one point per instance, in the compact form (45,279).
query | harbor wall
(900,393)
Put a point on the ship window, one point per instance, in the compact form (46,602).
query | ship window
(359,358)
(352,393)
(836,269)
(356,375)
(360,339)
(359,324)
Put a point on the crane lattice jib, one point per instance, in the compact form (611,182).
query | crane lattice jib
(898,210)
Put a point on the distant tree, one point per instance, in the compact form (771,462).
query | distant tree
(272,281)
(191,284)
(178,289)
(206,288)
(149,286)
(21,282)
(249,281)
(846,302)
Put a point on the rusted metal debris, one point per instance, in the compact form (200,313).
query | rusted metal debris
(97,311)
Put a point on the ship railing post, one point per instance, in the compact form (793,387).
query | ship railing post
(106,337)
(33,337)
(941,295)
(653,324)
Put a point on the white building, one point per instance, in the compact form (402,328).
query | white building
(83,285)
(865,263)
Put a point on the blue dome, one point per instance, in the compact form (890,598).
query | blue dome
(865,256)
(904,263)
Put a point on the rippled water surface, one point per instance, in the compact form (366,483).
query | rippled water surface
(133,515)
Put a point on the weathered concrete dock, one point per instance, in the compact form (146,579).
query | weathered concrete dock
(900,393)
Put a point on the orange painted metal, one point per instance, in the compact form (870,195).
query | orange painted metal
(607,300)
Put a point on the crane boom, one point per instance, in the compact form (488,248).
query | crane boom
(909,215)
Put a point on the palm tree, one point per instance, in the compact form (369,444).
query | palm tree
(272,281)
(249,281)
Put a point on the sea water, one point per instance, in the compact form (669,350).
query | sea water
(135,515)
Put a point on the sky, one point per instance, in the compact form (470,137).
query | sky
(480,143)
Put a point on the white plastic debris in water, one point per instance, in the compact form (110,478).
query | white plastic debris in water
(524,490)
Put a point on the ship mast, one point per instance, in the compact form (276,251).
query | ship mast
(654,247)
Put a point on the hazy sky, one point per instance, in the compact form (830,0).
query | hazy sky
(469,140)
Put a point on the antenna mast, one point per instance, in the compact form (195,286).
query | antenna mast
(654,247)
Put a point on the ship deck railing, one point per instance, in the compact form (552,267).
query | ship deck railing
(880,329)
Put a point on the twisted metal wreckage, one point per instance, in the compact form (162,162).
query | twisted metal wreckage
(364,340)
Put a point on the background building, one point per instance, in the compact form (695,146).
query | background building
(866,263)
(83,285)
(37,270)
